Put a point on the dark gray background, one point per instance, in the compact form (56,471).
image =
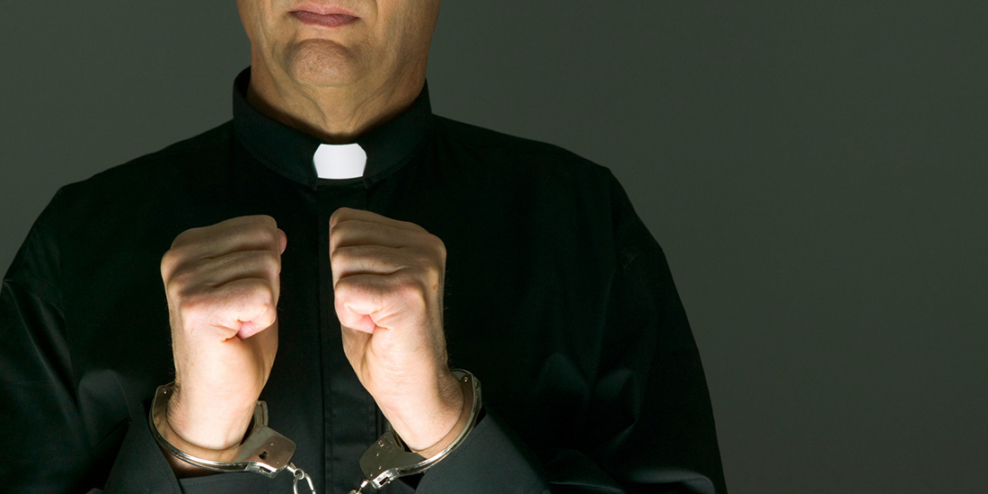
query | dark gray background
(814,170)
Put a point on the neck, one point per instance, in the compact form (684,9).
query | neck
(335,115)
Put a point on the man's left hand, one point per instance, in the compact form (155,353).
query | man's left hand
(388,283)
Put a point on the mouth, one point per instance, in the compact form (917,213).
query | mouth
(324,16)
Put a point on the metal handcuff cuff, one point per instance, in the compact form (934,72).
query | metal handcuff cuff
(268,453)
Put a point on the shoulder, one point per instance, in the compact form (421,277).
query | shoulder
(132,193)
(119,199)
(552,182)
(180,158)
(148,182)
(517,154)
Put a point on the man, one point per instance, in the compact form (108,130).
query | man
(331,251)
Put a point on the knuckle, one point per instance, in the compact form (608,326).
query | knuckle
(427,267)
(343,288)
(334,218)
(265,235)
(174,259)
(439,246)
(433,273)
(272,235)
(169,262)
(174,290)
(339,303)
(182,280)
(338,256)
(413,292)
(192,306)
(193,300)
(256,219)
(263,293)
(183,237)
(267,220)
(256,290)
(271,261)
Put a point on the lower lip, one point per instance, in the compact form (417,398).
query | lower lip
(328,20)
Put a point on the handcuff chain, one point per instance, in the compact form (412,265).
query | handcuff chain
(360,490)
(388,458)
(263,451)
(299,474)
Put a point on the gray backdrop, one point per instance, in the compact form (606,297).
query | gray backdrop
(814,170)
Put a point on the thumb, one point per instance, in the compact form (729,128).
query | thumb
(250,328)
(354,320)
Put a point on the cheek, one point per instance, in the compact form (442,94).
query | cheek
(271,32)
(401,27)
(396,20)
(258,18)
(253,17)
(423,16)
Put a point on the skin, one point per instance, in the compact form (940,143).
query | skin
(338,83)
(223,281)
(388,282)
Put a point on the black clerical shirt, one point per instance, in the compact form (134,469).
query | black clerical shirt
(556,297)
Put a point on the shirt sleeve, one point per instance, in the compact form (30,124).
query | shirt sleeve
(47,444)
(651,426)
(42,422)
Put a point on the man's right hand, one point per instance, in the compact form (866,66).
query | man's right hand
(222,283)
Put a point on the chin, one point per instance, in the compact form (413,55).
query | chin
(322,63)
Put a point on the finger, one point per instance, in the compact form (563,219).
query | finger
(207,278)
(255,236)
(358,322)
(368,259)
(346,214)
(250,328)
(262,219)
(230,306)
(361,301)
(194,234)
(360,232)
(237,265)
(186,255)
(228,236)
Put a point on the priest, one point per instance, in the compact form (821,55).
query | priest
(337,276)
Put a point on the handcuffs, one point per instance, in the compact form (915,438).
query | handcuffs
(268,453)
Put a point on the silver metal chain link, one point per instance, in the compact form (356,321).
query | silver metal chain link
(388,458)
(360,490)
(299,474)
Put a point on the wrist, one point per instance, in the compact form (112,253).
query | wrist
(388,458)
(215,434)
(164,423)
(466,393)
(179,441)
(182,468)
(262,450)
(430,421)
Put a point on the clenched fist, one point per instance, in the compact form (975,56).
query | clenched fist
(222,285)
(388,283)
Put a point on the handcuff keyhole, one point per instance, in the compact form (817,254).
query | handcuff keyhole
(263,455)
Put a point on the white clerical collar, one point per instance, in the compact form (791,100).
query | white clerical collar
(339,161)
